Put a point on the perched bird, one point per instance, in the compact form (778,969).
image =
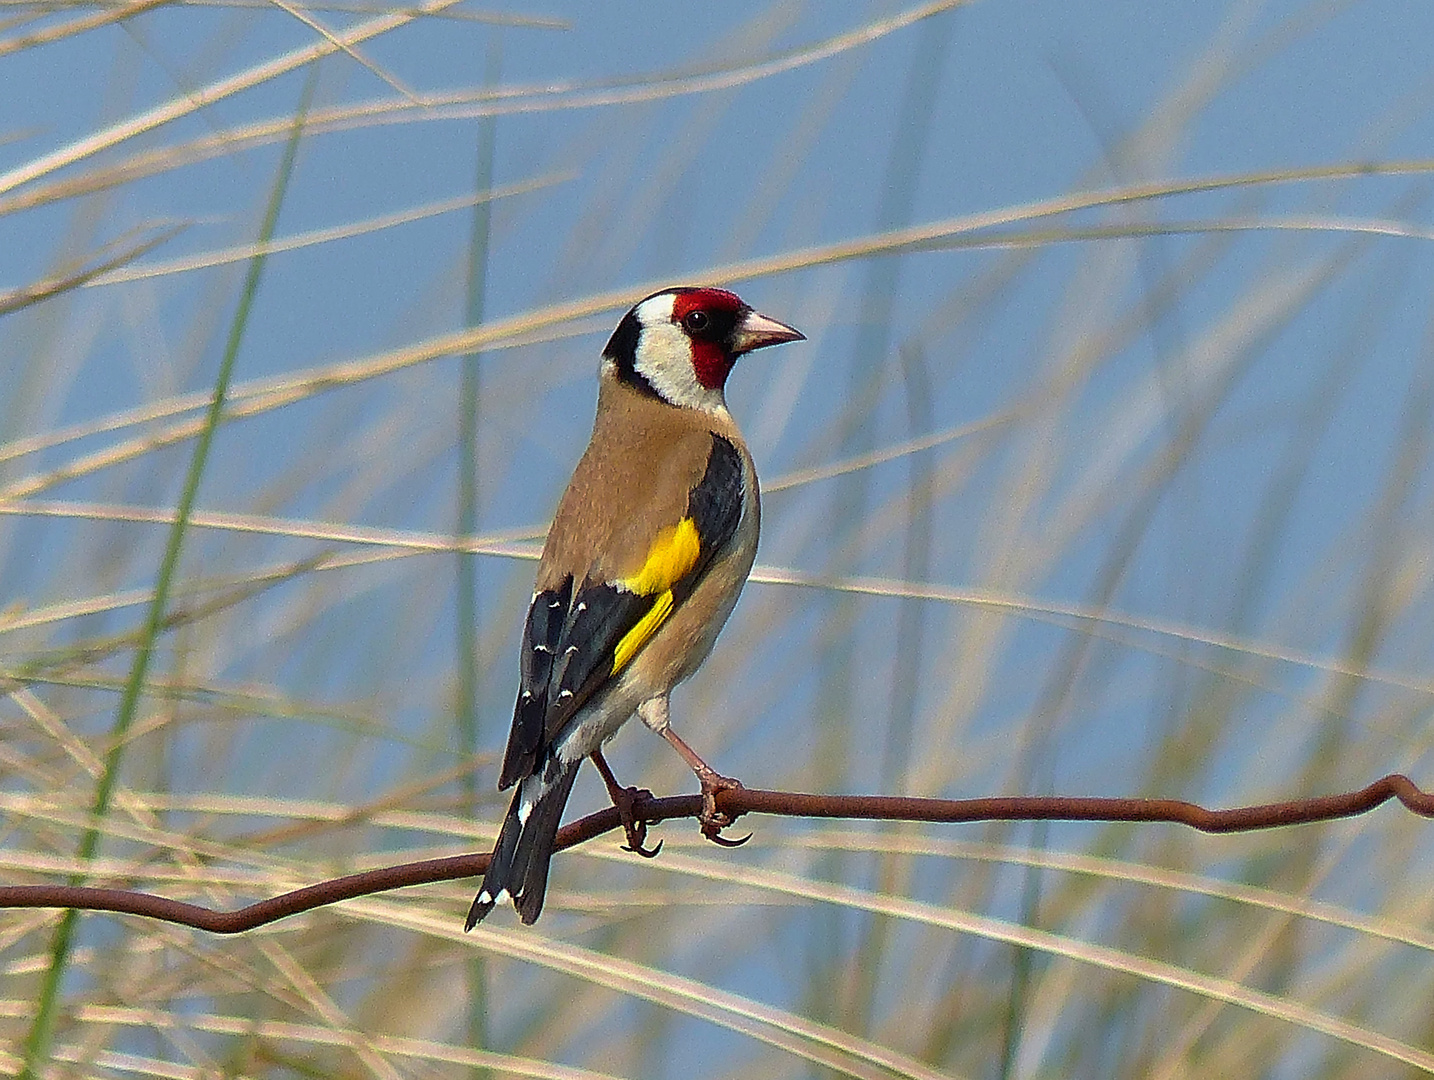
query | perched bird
(649,549)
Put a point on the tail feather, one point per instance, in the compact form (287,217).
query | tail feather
(519,866)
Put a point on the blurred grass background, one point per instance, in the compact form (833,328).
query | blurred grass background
(1105,470)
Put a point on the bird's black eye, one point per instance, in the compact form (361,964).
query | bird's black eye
(695,321)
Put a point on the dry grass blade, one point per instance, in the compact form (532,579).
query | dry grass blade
(429,106)
(519,544)
(63,282)
(349,230)
(73,27)
(206,96)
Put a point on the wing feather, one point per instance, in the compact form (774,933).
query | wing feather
(541,637)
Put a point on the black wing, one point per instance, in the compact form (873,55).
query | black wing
(715,505)
(577,639)
(540,645)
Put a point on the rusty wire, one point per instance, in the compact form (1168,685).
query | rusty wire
(736,802)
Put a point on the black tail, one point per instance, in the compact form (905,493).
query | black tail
(519,867)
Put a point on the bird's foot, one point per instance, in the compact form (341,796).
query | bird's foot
(712,820)
(626,800)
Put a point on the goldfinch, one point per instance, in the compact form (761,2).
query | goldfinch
(647,554)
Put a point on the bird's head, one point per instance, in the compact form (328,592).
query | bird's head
(680,344)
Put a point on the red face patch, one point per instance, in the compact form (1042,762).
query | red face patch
(711,362)
(711,300)
(707,316)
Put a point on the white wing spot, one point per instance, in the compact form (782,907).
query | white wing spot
(484,898)
(582,606)
(543,648)
(502,895)
(565,693)
(525,809)
(570,650)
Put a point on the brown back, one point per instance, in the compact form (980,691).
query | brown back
(645,457)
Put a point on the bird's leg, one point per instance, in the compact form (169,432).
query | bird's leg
(624,798)
(653,713)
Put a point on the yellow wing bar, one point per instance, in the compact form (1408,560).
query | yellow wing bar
(645,627)
(673,553)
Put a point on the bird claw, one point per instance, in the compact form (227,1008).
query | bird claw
(637,837)
(625,799)
(637,848)
(712,820)
(722,841)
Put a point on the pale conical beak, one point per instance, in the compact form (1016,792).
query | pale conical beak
(755,331)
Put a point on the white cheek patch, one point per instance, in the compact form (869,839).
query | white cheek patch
(664,359)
